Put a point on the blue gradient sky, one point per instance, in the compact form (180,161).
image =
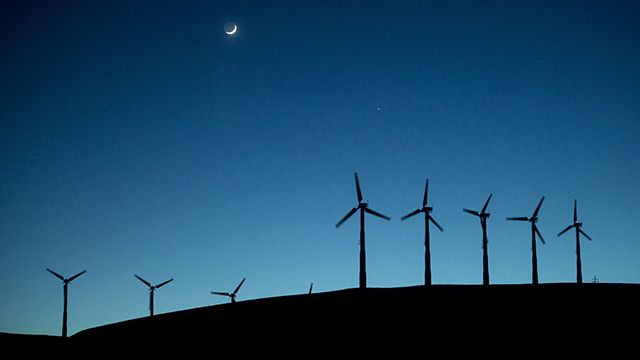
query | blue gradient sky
(136,137)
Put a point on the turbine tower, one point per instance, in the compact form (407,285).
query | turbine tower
(363,207)
(483,215)
(577,225)
(427,217)
(65,288)
(152,290)
(534,231)
(232,295)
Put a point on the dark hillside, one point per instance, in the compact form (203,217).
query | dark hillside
(390,318)
(455,318)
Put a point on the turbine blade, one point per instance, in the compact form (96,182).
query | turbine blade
(565,230)
(164,283)
(56,274)
(76,275)
(358,191)
(435,223)
(472,212)
(413,213)
(585,234)
(484,208)
(372,212)
(535,228)
(519,218)
(575,210)
(238,288)
(535,212)
(143,280)
(426,191)
(349,214)
(311,288)
(220,293)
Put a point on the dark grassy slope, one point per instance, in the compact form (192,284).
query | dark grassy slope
(388,318)
(443,319)
(32,343)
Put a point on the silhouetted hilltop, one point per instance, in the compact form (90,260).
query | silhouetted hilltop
(381,319)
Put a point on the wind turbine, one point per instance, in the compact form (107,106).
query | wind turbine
(534,231)
(577,225)
(152,290)
(65,288)
(363,207)
(483,215)
(310,288)
(231,295)
(427,247)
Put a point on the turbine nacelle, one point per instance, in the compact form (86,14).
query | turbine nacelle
(66,281)
(231,295)
(426,209)
(482,214)
(533,219)
(576,224)
(362,205)
(152,288)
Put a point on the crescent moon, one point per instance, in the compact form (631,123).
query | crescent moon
(235,29)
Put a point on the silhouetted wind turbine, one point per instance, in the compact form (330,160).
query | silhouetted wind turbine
(363,207)
(483,215)
(152,290)
(427,247)
(65,288)
(577,225)
(534,231)
(232,295)
(311,288)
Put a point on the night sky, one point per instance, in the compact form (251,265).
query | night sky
(137,137)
